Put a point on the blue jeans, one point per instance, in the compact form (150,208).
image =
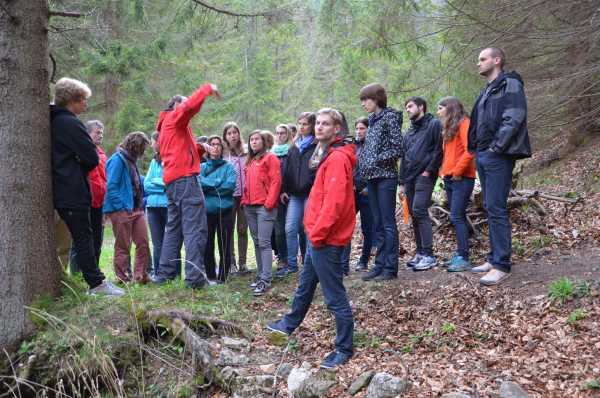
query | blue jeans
(366,227)
(458,193)
(382,200)
(294,225)
(323,265)
(495,174)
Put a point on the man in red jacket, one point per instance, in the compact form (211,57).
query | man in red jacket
(329,222)
(186,214)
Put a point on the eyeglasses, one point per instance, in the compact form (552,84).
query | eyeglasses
(281,132)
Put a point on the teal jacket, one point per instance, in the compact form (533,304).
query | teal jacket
(218,179)
(119,191)
(154,186)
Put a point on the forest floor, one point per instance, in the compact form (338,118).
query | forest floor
(443,332)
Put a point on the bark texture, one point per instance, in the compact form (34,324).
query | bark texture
(28,266)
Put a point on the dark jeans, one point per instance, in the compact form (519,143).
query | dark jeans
(157,221)
(186,222)
(294,229)
(79,224)
(418,192)
(96,216)
(279,234)
(323,265)
(495,174)
(382,200)
(220,224)
(458,193)
(366,227)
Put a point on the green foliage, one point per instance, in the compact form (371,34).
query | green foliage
(448,328)
(593,384)
(561,290)
(518,247)
(362,339)
(577,315)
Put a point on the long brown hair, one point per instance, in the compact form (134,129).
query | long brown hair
(256,155)
(238,150)
(455,112)
(135,144)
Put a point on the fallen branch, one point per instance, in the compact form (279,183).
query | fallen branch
(204,4)
(213,324)
(67,14)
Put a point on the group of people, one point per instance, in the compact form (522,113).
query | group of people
(293,191)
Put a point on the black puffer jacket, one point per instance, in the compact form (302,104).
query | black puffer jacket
(383,145)
(499,118)
(298,179)
(73,156)
(422,149)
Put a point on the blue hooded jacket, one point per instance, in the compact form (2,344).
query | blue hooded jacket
(217,178)
(119,191)
(154,186)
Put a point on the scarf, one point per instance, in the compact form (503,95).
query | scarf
(317,156)
(304,143)
(134,175)
(280,150)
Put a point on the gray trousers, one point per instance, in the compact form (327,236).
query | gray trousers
(186,221)
(260,222)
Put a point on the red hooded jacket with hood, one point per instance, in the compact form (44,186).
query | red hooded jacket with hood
(97,179)
(330,215)
(178,149)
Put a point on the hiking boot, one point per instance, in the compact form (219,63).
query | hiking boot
(385,277)
(335,359)
(276,328)
(106,289)
(459,264)
(425,263)
(494,277)
(371,275)
(261,288)
(485,267)
(415,260)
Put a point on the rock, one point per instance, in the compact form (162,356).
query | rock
(251,392)
(242,345)
(284,370)
(509,389)
(361,382)
(384,385)
(270,368)
(267,381)
(229,374)
(456,395)
(302,383)
(231,358)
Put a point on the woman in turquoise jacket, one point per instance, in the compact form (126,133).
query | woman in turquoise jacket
(218,179)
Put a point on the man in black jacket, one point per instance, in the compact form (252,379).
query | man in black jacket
(498,135)
(74,155)
(421,160)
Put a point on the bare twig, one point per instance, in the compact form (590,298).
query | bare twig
(204,4)
(67,14)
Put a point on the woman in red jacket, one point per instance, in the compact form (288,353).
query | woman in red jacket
(263,183)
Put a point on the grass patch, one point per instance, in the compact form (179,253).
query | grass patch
(576,316)
(561,290)
(592,384)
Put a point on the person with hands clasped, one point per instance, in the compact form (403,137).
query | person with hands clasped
(329,220)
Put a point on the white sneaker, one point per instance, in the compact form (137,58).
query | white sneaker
(106,288)
(494,277)
(485,267)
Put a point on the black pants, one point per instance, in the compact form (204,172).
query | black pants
(222,225)
(98,236)
(79,224)
(418,192)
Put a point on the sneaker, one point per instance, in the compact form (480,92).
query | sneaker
(415,260)
(371,275)
(459,264)
(261,288)
(426,262)
(276,328)
(361,267)
(494,277)
(485,267)
(385,277)
(335,359)
(282,272)
(446,263)
(106,288)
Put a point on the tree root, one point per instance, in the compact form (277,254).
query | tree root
(213,325)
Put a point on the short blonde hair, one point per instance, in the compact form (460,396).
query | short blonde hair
(335,115)
(69,90)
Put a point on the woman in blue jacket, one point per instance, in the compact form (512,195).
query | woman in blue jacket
(218,178)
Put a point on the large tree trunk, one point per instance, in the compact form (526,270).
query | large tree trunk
(28,266)
(112,82)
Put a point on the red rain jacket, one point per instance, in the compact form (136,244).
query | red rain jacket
(263,182)
(97,180)
(178,149)
(330,215)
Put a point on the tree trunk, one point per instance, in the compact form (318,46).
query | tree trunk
(111,82)
(28,266)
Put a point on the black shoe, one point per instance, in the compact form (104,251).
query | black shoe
(371,275)
(196,285)
(385,277)
(335,359)
(157,280)
(275,328)
(261,288)
(360,267)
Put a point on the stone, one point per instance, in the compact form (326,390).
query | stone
(228,357)
(267,381)
(303,383)
(284,370)
(456,395)
(251,392)
(509,389)
(235,343)
(270,368)
(384,385)
(361,382)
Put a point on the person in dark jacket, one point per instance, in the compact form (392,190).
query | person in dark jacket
(283,140)
(297,182)
(498,136)
(74,155)
(379,167)
(421,161)
(329,221)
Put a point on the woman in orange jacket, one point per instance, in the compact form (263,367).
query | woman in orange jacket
(458,172)
(261,193)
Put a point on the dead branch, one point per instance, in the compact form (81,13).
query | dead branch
(204,4)
(67,14)
(214,325)
(532,194)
